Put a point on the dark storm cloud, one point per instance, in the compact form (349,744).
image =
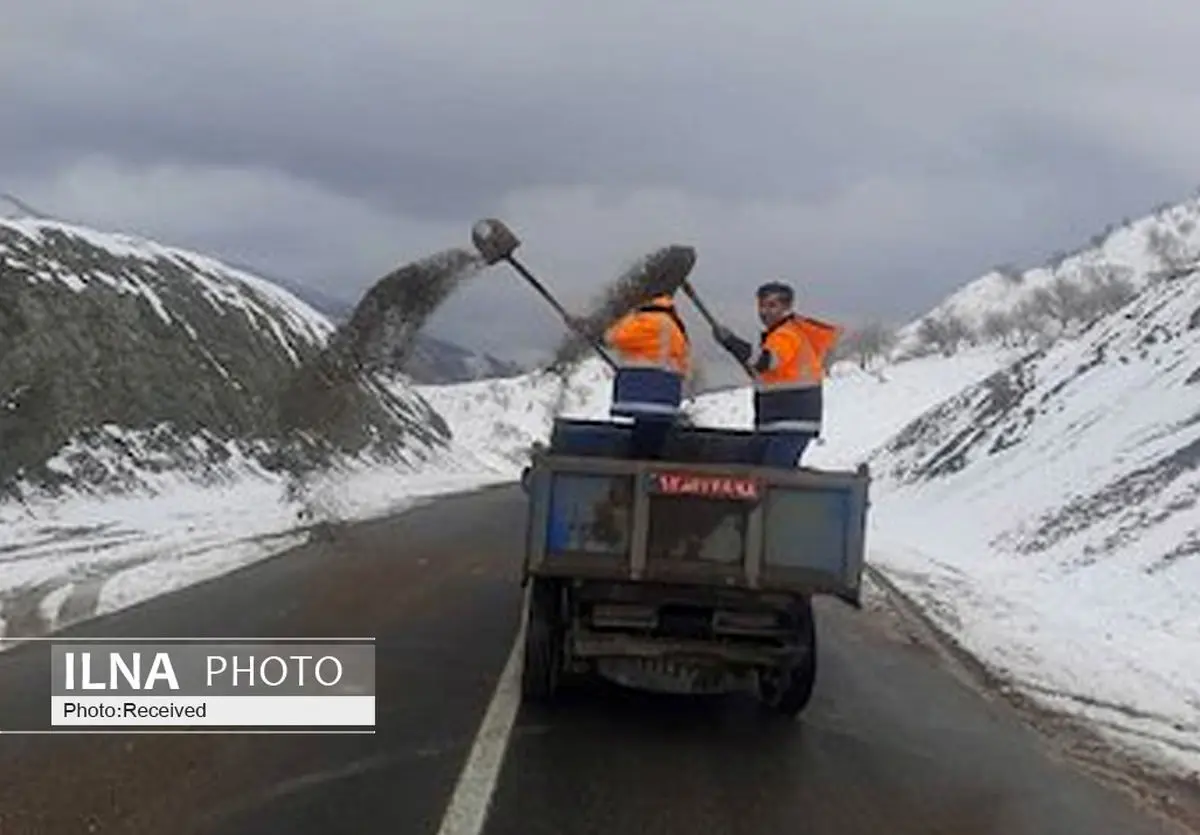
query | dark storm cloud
(878,154)
(440,145)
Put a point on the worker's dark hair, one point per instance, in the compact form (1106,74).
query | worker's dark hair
(777,288)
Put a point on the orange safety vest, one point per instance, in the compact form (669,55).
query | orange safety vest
(798,348)
(652,336)
(788,391)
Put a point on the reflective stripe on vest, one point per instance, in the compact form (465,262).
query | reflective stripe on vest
(636,407)
(800,408)
(813,426)
(791,385)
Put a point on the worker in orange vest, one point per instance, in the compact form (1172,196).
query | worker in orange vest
(789,374)
(653,356)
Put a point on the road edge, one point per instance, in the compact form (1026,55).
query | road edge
(1150,787)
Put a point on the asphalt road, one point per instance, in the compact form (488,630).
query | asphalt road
(891,742)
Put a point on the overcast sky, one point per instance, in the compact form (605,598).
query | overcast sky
(876,154)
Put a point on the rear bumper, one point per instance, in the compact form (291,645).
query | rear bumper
(672,623)
(595,645)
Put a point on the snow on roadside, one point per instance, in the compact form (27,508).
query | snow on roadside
(865,408)
(69,560)
(1123,663)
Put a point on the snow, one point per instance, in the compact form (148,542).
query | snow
(195,514)
(1067,560)
(499,420)
(863,408)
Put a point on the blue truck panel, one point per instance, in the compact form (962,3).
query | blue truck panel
(792,530)
(589,514)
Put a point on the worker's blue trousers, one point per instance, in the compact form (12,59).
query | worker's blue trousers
(650,396)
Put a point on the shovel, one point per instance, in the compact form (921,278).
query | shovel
(495,242)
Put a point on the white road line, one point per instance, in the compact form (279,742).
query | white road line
(467,811)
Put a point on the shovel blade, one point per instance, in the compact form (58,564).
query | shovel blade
(493,240)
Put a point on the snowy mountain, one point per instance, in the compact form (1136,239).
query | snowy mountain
(1064,491)
(1035,306)
(122,360)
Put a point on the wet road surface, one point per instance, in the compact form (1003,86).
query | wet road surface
(891,742)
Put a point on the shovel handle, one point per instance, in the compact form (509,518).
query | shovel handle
(537,285)
(708,317)
(695,297)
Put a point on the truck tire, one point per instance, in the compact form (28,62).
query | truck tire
(788,691)
(543,662)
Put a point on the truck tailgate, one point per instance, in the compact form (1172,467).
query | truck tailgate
(730,525)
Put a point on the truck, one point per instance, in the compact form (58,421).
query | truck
(691,573)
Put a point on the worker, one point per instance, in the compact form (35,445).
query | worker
(653,357)
(789,371)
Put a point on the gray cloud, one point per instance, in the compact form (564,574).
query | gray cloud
(878,154)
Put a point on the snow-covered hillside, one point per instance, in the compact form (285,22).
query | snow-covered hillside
(1068,291)
(122,360)
(499,420)
(1064,494)
(864,408)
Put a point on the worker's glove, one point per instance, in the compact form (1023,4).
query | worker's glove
(722,334)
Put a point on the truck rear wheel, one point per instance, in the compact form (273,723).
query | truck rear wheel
(788,690)
(543,663)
